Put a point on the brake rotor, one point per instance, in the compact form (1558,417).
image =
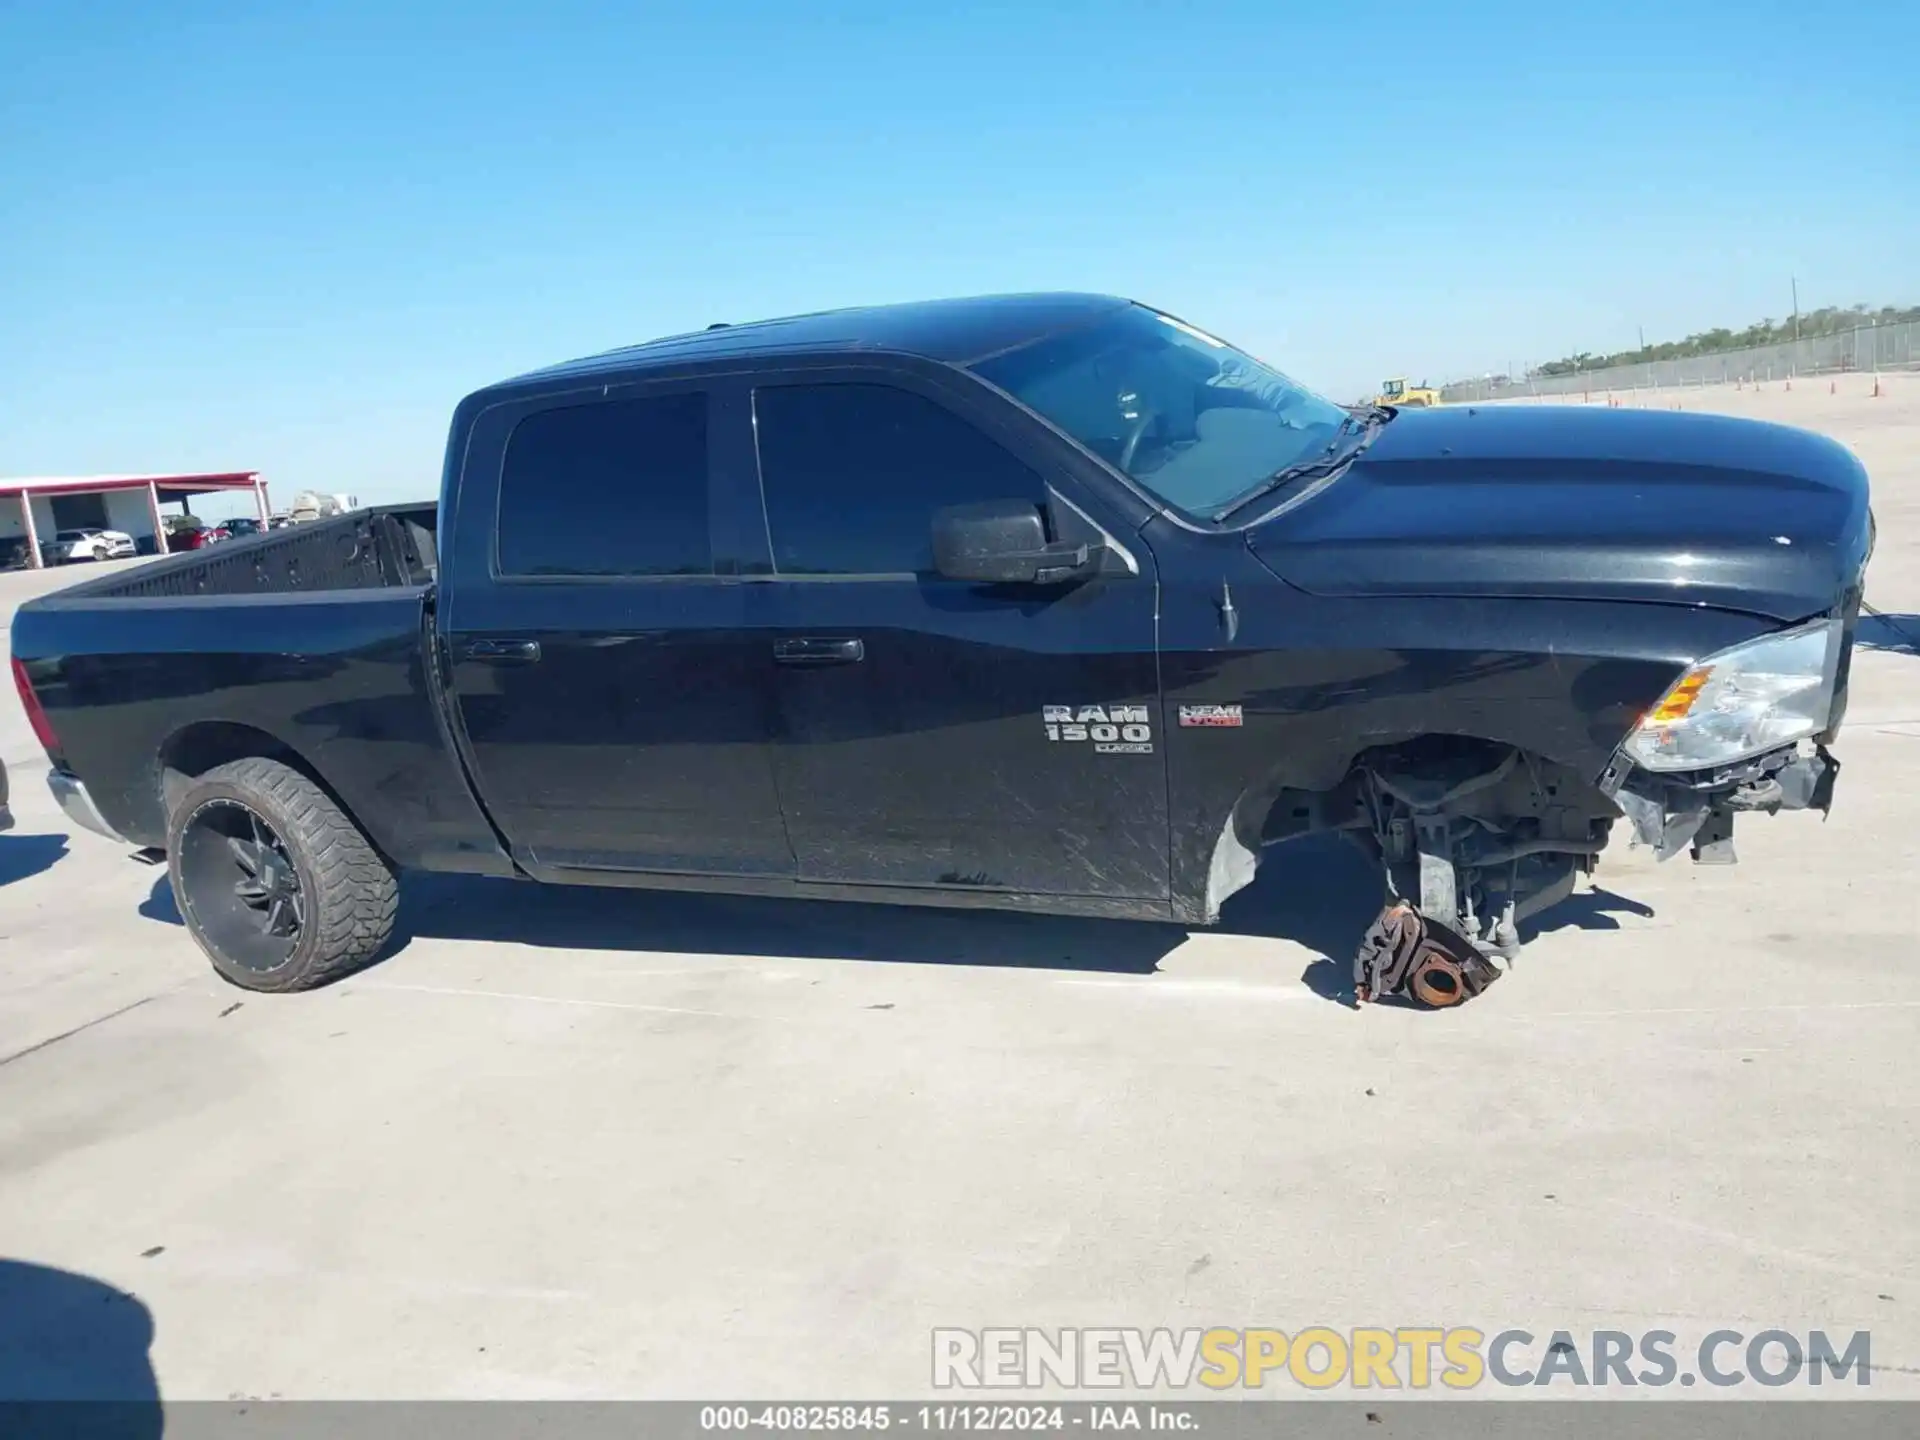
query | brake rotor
(1436,981)
(1407,953)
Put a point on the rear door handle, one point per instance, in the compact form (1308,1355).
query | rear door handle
(502,652)
(811,651)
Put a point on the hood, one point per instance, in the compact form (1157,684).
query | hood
(1574,503)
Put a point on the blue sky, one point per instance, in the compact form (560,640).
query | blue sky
(289,236)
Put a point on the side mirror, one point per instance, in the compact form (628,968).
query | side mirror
(1004,542)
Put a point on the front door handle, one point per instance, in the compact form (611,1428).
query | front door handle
(811,651)
(502,652)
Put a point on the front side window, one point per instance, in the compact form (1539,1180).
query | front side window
(608,490)
(1190,418)
(852,475)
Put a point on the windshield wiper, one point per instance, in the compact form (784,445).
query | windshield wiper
(1364,421)
(1302,470)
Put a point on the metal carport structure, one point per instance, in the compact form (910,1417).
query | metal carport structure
(43,492)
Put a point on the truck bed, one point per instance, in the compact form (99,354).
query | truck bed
(381,548)
(313,644)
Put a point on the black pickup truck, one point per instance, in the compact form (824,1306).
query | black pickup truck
(1049,602)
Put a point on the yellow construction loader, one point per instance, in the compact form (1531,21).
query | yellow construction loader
(1398,392)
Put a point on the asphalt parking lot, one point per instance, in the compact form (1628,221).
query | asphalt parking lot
(595,1143)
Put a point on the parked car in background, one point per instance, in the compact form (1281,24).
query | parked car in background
(69,547)
(242,527)
(185,532)
(14,554)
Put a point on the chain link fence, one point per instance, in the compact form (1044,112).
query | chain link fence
(1867,348)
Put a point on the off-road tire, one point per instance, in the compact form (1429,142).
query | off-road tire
(350,892)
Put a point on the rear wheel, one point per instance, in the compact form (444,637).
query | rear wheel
(277,885)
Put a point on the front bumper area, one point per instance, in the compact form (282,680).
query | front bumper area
(70,793)
(1697,809)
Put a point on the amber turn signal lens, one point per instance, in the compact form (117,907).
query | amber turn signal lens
(1680,699)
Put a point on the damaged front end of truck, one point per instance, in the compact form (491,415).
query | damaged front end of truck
(1476,837)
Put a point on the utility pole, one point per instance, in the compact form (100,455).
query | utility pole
(1643,338)
(1791,280)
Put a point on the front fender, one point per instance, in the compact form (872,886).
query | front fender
(1319,681)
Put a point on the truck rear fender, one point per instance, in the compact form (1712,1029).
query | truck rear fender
(204,745)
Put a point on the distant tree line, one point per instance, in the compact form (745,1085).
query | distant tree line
(1828,320)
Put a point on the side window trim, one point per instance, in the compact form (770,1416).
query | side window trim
(1120,553)
(717,418)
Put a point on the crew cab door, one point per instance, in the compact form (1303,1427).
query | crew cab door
(937,733)
(614,713)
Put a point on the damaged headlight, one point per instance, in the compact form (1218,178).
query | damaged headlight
(1745,701)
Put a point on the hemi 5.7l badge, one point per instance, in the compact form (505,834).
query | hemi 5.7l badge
(1210,716)
(1110,729)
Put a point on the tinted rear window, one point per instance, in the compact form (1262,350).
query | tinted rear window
(614,489)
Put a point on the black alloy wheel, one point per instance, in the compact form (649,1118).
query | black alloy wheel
(243,885)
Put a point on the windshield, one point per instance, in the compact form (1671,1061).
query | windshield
(1189,417)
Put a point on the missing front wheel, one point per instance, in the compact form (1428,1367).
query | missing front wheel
(1475,838)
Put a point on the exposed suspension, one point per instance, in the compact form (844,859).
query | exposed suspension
(1473,838)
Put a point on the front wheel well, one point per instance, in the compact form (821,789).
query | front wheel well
(1501,795)
(1454,773)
